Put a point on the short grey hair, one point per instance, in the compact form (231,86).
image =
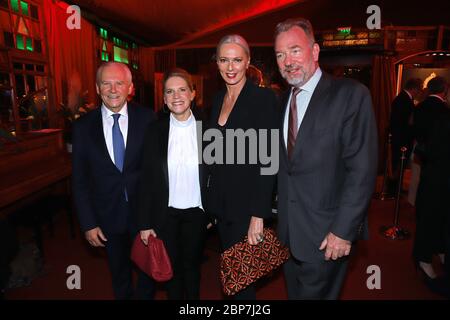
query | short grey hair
(302,23)
(234,38)
(109,64)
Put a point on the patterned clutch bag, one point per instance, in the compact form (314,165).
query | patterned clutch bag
(243,264)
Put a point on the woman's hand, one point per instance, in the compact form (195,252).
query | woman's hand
(146,233)
(255,230)
(211,224)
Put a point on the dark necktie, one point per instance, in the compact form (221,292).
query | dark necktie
(118,144)
(293,122)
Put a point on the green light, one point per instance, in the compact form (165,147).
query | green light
(105,56)
(29,44)
(19,42)
(345,30)
(24,6)
(15,5)
(103,33)
(120,55)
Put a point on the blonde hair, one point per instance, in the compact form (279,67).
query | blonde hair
(234,38)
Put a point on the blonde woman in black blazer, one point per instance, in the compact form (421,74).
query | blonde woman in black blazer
(238,195)
(172,187)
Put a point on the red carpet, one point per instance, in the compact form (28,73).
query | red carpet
(399,279)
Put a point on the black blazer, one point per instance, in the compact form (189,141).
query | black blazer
(98,186)
(238,191)
(425,116)
(401,110)
(327,187)
(154,182)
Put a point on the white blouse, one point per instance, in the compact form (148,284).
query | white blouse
(182,163)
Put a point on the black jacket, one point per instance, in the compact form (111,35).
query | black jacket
(154,180)
(401,111)
(328,184)
(238,191)
(98,185)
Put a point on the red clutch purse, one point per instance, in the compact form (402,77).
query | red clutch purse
(152,259)
(243,264)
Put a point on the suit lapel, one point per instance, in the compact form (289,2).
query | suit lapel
(164,143)
(131,137)
(284,102)
(198,125)
(312,113)
(215,113)
(240,112)
(98,136)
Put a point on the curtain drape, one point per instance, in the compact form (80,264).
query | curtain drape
(72,56)
(147,69)
(383,92)
(164,60)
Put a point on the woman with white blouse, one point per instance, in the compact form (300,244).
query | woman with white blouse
(172,184)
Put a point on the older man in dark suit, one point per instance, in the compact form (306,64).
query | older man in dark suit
(327,172)
(107,148)
(432,194)
(433,208)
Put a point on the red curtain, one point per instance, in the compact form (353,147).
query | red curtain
(164,60)
(72,58)
(147,70)
(383,92)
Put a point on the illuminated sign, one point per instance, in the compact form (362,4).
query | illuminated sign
(344,38)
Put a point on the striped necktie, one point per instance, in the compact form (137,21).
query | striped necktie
(293,122)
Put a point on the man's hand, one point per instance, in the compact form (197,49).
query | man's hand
(335,247)
(95,237)
(146,233)
(255,230)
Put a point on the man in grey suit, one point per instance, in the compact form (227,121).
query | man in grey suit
(327,165)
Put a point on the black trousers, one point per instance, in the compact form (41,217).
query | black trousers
(231,233)
(447,244)
(118,248)
(320,280)
(432,214)
(184,234)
